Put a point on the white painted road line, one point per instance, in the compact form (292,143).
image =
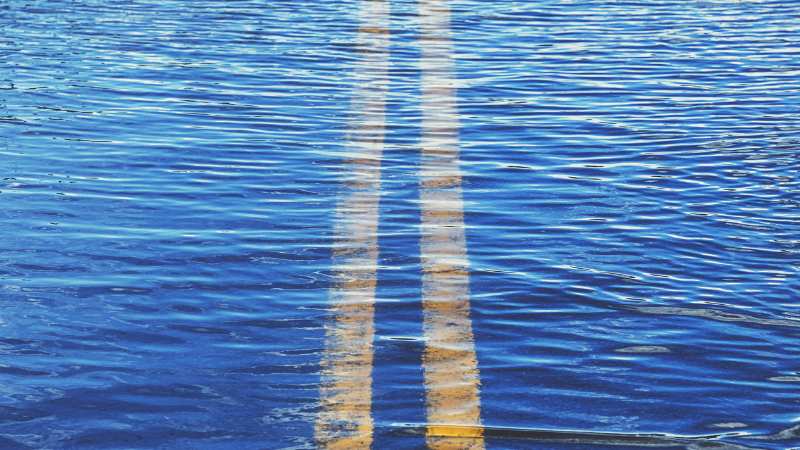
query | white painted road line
(344,420)
(452,381)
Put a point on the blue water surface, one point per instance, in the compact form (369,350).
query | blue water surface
(169,173)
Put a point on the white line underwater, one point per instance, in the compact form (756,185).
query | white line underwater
(344,420)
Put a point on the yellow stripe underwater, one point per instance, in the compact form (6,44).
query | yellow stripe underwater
(344,420)
(452,381)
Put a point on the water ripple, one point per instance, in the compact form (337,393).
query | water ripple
(170,172)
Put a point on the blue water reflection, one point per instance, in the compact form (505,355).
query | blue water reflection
(170,171)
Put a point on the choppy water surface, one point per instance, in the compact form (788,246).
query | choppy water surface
(170,173)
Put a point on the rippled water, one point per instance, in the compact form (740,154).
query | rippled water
(170,172)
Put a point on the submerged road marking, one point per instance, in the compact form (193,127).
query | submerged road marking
(451,368)
(344,420)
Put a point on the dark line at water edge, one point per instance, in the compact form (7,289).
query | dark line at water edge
(633,440)
(713,314)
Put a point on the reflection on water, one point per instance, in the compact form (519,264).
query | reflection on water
(170,176)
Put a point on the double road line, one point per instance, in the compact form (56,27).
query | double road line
(449,361)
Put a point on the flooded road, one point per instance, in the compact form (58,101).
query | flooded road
(399,224)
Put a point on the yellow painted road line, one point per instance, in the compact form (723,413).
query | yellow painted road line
(345,420)
(452,382)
